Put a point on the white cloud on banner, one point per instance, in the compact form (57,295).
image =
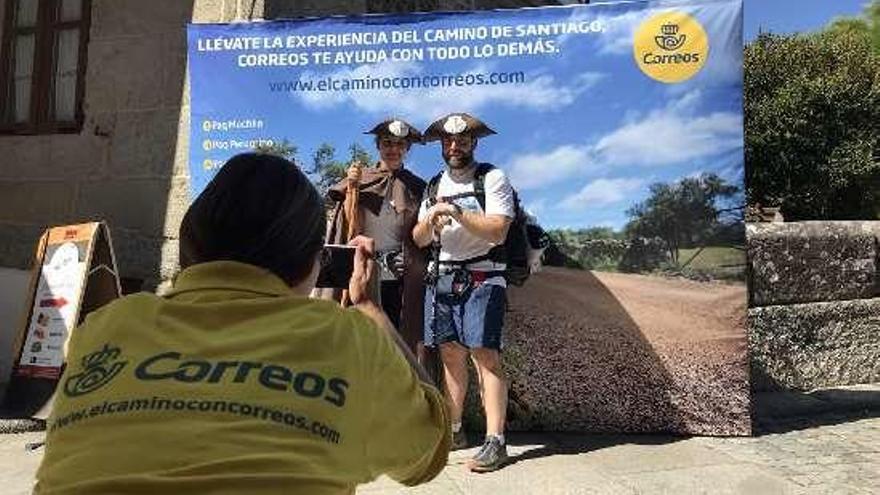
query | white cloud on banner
(602,192)
(532,171)
(539,92)
(667,136)
(620,31)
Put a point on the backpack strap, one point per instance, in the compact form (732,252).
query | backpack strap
(480,182)
(431,189)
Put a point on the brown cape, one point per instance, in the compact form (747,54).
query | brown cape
(404,190)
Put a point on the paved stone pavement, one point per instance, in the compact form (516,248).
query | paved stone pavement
(824,442)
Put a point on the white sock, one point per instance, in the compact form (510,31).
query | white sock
(456,427)
(500,437)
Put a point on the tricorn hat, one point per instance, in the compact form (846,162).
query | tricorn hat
(397,128)
(457,123)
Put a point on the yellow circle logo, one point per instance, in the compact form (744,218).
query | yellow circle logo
(671,47)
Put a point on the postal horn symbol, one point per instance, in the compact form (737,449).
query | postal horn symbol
(99,369)
(669,39)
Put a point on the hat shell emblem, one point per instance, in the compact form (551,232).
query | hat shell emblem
(455,124)
(398,128)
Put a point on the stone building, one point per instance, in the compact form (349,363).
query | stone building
(94,115)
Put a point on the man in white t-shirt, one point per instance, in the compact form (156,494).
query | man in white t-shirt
(468,209)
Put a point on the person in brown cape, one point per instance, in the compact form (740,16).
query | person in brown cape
(388,197)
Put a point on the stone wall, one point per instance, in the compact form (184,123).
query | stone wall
(128,165)
(814,319)
(813,261)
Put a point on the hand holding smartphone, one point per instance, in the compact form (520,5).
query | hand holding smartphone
(337,265)
(348,267)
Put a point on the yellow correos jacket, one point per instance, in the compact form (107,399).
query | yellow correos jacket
(231,384)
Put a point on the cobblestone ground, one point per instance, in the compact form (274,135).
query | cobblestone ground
(828,451)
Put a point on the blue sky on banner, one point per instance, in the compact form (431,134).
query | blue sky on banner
(582,137)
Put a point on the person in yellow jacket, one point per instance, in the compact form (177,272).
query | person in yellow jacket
(235,381)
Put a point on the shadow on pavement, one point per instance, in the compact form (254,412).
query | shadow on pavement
(554,444)
(791,410)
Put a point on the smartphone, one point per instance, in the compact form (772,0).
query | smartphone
(337,264)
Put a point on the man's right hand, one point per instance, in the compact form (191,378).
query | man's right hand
(361,275)
(355,172)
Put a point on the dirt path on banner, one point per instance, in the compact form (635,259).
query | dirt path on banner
(662,353)
(663,308)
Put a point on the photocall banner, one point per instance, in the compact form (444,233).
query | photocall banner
(619,124)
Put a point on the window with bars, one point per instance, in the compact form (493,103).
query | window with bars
(42,65)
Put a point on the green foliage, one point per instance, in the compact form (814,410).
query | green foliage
(283,148)
(578,236)
(683,214)
(326,170)
(581,248)
(602,249)
(812,115)
(865,25)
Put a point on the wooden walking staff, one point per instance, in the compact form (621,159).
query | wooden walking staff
(352,214)
(350,206)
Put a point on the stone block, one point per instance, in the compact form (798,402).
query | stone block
(276,9)
(137,204)
(802,262)
(124,18)
(178,202)
(181,154)
(100,124)
(39,203)
(129,75)
(100,87)
(144,144)
(74,156)
(207,11)
(138,255)
(169,264)
(173,68)
(18,243)
(456,4)
(25,157)
(808,346)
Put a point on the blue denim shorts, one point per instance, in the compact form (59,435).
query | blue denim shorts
(475,322)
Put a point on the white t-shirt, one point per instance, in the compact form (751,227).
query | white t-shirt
(456,242)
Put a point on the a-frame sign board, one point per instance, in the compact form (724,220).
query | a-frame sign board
(74,273)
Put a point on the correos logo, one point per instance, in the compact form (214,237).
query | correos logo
(671,47)
(98,369)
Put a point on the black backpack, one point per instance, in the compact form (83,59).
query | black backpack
(523,235)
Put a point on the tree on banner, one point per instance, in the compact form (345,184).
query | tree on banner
(326,170)
(683,214)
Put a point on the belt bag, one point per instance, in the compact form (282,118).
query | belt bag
(455,286)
